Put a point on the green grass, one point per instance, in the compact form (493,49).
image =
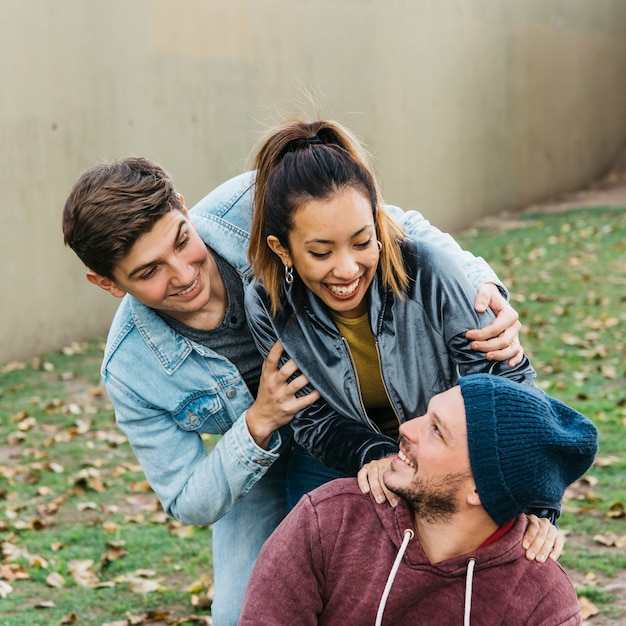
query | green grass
(566,272)
(567,276)
(71,489)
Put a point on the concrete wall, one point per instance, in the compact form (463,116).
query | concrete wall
(471,106)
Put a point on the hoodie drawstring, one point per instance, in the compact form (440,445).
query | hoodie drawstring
(408,535)
(469,579)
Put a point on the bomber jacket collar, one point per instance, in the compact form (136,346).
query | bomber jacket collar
(318,312)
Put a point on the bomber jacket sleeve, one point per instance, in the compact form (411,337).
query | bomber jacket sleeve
(419,229)
(193,485)
(446,301)
(343,444)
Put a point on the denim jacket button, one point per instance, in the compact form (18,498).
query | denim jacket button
(263,462)
(231,393)
(193,419)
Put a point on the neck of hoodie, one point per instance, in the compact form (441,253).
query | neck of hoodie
(464,532)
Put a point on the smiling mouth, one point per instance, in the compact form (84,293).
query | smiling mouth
(189,289)
(403,457)
(344,291)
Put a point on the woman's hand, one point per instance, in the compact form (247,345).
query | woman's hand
(370,478)
(500,340)
(276,402)
(542,540)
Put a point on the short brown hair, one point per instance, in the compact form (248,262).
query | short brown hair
(113,204)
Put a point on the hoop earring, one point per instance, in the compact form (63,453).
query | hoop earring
(288,274)
(380,245)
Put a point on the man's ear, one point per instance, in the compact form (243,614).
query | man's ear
(277,248)
(105,283)
(183,205)
(185,210)
(473,499)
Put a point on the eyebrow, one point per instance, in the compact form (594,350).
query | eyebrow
(145,266)
(330,241)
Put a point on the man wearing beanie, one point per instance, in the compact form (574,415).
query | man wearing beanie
(450,552)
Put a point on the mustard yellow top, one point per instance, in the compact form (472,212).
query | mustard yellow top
(362,346)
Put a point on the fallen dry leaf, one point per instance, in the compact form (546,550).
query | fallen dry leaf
(110,527)
(611,539)
(54,579)
(143,585)
(202,600)
(587,608)
(5,589)
(616,510)
(207,620)
(13,571)
(81,573)
(45,604)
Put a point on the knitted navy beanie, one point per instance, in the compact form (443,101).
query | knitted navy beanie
(524,446)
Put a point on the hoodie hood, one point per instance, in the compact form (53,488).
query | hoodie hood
(398,523)
(396,520)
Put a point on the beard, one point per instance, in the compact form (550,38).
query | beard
(433,500)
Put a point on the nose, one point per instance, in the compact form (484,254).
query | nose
(346,267)
(182,272)
(410,429)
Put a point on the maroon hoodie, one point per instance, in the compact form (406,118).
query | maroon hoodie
(330,559)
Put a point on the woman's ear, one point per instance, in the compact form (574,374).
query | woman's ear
(105,283)
(279,250)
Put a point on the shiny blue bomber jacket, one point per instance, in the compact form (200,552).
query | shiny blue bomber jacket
(421,345)
(168,390)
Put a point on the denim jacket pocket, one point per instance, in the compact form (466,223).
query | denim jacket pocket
(202,414)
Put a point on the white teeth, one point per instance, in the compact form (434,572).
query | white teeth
(344,290)
(189,289)
(404,458)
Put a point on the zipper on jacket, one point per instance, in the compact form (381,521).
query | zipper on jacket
(382,378)
(367,419)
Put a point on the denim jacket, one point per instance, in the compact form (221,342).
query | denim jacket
(168,391)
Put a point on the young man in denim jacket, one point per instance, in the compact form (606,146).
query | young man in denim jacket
(180,361)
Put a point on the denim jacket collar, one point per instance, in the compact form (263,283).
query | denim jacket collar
(224,219)
(168,346)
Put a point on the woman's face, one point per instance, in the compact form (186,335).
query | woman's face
(334,250)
